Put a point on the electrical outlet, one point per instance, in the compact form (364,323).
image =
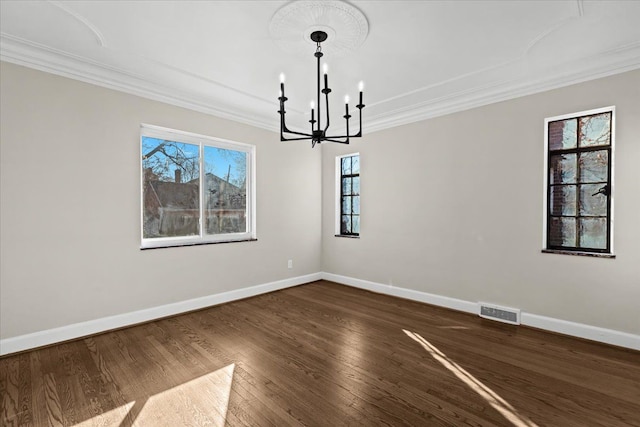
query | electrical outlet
(290,263)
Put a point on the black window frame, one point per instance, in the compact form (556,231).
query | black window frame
(606,187)
(342,231)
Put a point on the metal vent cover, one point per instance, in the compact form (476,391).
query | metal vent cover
(501,314)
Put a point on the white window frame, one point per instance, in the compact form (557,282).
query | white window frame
(338,201)
(202,141)
(545,188)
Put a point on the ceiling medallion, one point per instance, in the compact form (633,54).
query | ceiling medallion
(292,25)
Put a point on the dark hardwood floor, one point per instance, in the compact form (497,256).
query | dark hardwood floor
(323,354)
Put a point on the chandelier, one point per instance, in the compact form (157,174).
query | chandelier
(318,132)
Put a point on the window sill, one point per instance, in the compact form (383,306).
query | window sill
(347,236)
(144,248)
(578,253)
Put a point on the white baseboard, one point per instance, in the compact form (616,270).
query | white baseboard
(580,330)
(77,330)
(452,303)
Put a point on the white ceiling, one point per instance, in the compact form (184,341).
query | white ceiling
(420,59)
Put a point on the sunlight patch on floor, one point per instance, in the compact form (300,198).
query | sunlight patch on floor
(497,402)
(201,401)
(114,417)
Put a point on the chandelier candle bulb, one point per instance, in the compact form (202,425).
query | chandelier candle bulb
(325,68)
(360,88)
(281,85)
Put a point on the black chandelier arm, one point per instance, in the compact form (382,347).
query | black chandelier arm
(308,137)
(326,92)
(359,134)
(283,126)
(335,140)
(284,129)
(312,122)
(347,116)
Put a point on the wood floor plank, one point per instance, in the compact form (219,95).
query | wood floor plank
(9,389)
(323,354)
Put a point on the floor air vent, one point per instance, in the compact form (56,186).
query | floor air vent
(501,314)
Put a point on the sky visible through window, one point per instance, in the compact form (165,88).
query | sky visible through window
(164,157)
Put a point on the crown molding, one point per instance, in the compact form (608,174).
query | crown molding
(22,52)
(614,61)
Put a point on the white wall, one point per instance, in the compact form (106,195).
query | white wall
(70,207)
(453,206)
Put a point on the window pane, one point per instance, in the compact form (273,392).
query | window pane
(563,134)
(346,186)
(225,190)
(346,205)
(595,130)
(592,204)
(355,224)
(593,233)
(355,165)
(355,205)
(356,185)
(170,189)
(345,227)
(593,166)
(563,200)
(346,166)
(562,232)
(562,169)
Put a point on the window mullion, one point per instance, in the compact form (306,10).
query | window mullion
(578,184)
(610,184)
(201,186)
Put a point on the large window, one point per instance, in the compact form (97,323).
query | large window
(348,192)
(176,209)
(579,182)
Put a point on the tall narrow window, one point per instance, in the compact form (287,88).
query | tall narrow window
(579,186)
(176,208)
(349,195)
